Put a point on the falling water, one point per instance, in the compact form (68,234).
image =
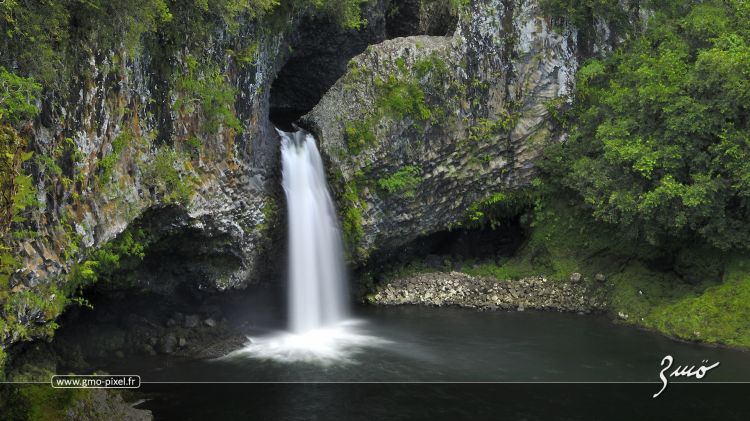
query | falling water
(320,329)
(317,288)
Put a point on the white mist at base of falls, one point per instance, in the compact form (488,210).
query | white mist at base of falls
(319,329)
(317,288)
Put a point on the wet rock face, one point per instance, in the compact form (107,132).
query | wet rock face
(422,127)
(233,177)
(458,289)
(211,209)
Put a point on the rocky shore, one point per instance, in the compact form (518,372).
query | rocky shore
(460,289)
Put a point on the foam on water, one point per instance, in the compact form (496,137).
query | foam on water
(319,329)
(337,343)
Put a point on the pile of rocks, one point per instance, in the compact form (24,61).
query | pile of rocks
(460,289)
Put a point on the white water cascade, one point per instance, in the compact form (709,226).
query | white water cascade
(317,286)
(319,328)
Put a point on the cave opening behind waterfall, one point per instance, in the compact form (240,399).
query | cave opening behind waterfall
(318,53)
(320,48)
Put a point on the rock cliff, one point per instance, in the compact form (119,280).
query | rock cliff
(422,127)
(177,150)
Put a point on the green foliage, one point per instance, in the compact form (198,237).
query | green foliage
(18,307)
(660,139)
(17,190)
(705,300)
(352,207)
(346,12)
(162,172)
(193,146)
(17,97)
(50,39)
(485,129)
(107,164)
(206,87)
(359,135)
(402,97)
(399,96)
(718,314)
(246,55)
(119,255)
(42,36)
(404,181)
(432,66)
(27,402)
(499,207)
(582,14)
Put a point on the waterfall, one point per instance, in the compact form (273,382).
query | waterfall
(320,328)
(317,284)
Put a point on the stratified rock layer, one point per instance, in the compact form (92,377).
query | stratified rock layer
(484,119)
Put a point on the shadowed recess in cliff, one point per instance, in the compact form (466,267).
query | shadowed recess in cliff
(320,50)
(451,249)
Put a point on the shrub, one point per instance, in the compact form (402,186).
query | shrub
(404,181)
(163,174)
(18,97)
(359,135)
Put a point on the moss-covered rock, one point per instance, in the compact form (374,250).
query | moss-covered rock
(429,125)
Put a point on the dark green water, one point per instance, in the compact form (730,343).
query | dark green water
(455,345)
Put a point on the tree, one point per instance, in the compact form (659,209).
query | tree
(660,131)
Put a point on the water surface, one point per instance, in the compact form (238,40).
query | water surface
(418,344)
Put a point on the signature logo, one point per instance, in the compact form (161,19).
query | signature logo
(685,371)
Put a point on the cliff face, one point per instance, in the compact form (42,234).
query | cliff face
(130,151)
(417,130)
(422,127)
(123,174)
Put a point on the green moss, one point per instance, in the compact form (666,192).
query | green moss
(432,66)
(498,207)
(162,172)
(193,146)
(352,207)
(246,55)
(402,97)
(270,211)
(487,130)
(508,270)
(406,270)
(107,163)
(715,311)
(206,87)
(403,181)
(359,135)
(3,355)
(113,261)
(46,302)
(399,96)
(17,191)
(38,402)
